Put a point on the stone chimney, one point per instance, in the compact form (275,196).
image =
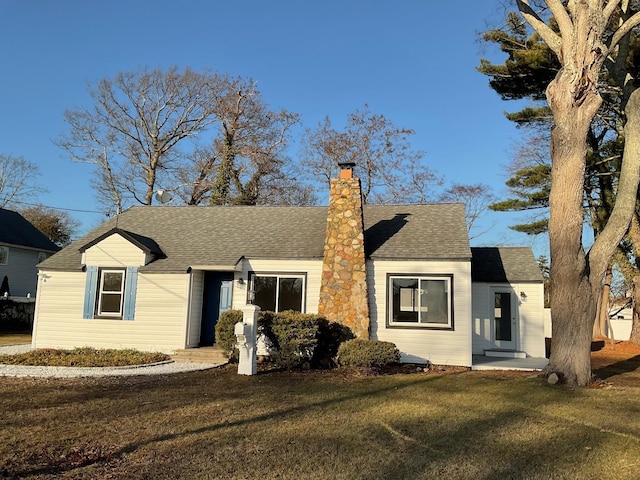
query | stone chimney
(343,291)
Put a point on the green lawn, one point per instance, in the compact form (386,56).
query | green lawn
(324,424)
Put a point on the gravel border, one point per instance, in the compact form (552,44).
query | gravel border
(161,368)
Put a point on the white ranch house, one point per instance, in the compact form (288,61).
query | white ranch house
(157,277)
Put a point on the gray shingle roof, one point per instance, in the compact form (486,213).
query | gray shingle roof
(504,264)
(220,236)
(16,230)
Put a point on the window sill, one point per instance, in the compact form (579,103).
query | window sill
(419,326)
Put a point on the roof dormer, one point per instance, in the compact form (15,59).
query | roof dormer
(117,248)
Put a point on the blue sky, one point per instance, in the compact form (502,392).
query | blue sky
(411,60)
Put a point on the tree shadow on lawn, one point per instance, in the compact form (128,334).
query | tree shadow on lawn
(620,368)
(415,445)
(59,466)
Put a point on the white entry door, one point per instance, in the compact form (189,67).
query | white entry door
(504,328)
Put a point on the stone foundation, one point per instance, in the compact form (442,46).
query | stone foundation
(343,291)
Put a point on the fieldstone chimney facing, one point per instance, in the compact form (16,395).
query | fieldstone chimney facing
(343,291)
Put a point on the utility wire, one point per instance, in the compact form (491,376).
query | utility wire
(57,208)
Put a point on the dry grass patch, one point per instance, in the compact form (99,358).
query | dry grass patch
(317,425)
(84,357)
(11,338)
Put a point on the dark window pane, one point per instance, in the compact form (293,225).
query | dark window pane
(290,294)
(112,281)
(404,299)
(111,303)
(502,314)
(265,292)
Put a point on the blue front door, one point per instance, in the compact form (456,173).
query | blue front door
(216,299)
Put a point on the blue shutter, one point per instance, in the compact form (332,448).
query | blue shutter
(130,287)
(90,292)
(225,295)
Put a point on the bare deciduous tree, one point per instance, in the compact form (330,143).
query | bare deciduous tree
(17,180)
(390,171)
(206,136)
(477,198)
(245,164)
(133,130)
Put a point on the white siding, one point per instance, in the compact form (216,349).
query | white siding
(160,316)
(531,318)
(440,347)
(529,314)
(312,269)
(481,304)
(114,251)
(195,310)
(21,271)
(620,328)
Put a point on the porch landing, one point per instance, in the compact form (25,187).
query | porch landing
(481,362)
(212,354)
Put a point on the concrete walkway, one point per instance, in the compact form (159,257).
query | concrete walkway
(162,368)
(481,362)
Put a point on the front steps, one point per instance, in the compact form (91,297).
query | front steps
(504,353)
(213,355)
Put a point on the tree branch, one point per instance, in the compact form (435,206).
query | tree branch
(553,40)
(625,28)
(609,9)
(617,225)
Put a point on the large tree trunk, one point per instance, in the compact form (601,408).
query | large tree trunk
(573,304)
(577,39)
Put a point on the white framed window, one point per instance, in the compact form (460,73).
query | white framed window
(420,301)
(4,255)
(111,293)
(278,292)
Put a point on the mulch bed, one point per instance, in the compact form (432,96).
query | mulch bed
(616,362)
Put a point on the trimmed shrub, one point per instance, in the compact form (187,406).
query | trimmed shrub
(306,340)
(295,338)
(367,353)
(225,336)
(5,287)
(330,336)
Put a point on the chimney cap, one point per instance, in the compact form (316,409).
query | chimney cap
(346,169)
(347,164)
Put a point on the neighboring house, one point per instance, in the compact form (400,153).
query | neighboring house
(157,278)
(22,247)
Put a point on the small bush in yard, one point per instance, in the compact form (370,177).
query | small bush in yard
(367,353)
(295,338)
(225,330)
(330,336)
(225,335)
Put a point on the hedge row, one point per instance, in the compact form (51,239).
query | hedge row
(302,340)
